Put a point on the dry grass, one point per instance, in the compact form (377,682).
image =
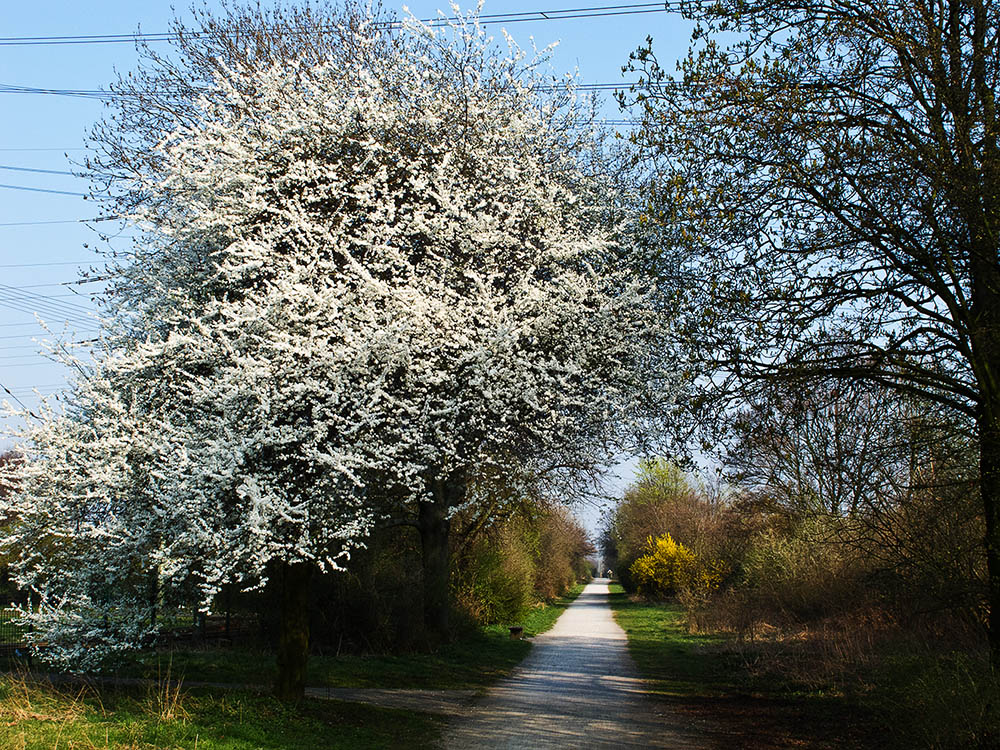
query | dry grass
(928,679)
(26,699)
(165,697)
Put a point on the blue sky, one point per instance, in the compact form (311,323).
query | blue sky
(40,261)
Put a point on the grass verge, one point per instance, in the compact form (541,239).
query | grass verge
(35,714)
(699,677)
(544,616)
(475,661)
(673,662)
(40,715)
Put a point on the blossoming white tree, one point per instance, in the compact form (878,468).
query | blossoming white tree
(358,285)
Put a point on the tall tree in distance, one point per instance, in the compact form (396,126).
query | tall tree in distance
(831,185)
(360,281)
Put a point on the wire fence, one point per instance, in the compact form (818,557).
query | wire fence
(11,633)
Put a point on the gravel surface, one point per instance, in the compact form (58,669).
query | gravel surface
(578,688)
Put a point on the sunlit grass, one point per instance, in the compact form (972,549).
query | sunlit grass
(673,661)
(40,715)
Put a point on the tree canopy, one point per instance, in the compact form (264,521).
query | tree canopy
(359,281)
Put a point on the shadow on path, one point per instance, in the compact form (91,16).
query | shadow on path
(577,689)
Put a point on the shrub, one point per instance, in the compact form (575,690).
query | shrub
(804,575)
(669,567)
(561,553)
(494,580)
(662,499)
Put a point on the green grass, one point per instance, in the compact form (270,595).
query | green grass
(41,716)
(934,698)
(701,677)
(38,715)
(544,616)
(674,662)
(470,663)
(475,661)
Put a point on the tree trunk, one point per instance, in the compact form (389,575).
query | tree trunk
(293,630)
(434,525)
(985,335)
(989,484)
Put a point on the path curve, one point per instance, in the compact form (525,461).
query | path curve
(578,688)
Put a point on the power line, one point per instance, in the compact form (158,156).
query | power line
(26,357)
(53,263)
(40,223)
(26,409)
(559,14)
(57,221)
(31,363)
(112,95)
(34,295)
(40,171)
(36,351)
(41,305)
(62,316)
(30,388)
(56,296)
(24,335)
(54,283)
(42,190)
(36,304)
(31,307)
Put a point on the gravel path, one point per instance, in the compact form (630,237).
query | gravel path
(577,689)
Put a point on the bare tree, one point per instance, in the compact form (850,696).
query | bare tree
(830,183)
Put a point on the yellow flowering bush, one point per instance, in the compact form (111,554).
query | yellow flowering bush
(669,567)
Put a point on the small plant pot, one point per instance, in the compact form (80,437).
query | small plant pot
(516,633)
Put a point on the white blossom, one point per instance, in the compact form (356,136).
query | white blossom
(350,282)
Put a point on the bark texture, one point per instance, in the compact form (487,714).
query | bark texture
(293,630)
(434,526)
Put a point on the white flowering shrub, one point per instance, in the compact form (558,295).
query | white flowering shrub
(355,286)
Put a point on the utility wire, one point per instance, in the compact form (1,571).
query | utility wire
(25,335)
(26,357)
(45,311)
(33,307)
(37,351)
(104,95)
(42,190)
(40,306)
(26,409)
(25,325)
(54,283)
(69,319)
(40,171)
(35,296)
(559,14)
(56,296)
(40,223)
(57,221)
(30,388)
(31,363)
(53,263)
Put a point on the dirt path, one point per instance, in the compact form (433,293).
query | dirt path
(577,689)
(445,702)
